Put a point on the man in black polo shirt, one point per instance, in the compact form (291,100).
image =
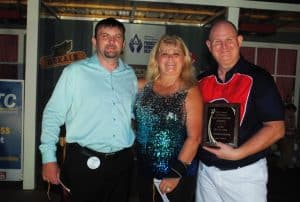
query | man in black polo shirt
(238,174)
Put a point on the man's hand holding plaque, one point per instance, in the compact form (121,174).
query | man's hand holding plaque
(221,124)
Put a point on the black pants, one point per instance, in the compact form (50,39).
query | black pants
(184,192)
(108,183)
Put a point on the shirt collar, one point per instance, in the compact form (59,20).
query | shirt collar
(121,66)
(231,72)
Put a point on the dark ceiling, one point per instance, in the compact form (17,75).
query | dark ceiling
(13,13)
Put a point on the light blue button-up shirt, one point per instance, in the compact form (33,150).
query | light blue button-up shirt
(94,104)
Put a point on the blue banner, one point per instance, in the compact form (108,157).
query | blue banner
(11,125)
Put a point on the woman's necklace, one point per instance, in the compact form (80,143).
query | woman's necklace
(166,88)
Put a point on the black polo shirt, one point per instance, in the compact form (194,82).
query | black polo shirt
(254,88)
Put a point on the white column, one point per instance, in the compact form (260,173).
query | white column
(30,93)
(233,14)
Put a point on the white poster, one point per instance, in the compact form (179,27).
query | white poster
(140,40)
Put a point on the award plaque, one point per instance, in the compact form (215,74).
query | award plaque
(221,124)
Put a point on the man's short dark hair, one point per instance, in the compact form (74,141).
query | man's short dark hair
(110,22)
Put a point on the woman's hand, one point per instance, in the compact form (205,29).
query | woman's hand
(168,185)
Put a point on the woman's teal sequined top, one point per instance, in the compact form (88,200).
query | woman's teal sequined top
(161,131)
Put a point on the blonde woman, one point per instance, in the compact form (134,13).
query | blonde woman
(168,113)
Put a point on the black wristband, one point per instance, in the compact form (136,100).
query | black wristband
(177,170)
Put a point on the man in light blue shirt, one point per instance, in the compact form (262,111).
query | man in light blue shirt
(94,99)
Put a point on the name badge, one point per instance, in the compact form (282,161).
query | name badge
(93,162)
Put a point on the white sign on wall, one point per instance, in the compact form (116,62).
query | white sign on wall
(140,40)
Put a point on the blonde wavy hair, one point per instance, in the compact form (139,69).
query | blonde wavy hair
(187,75)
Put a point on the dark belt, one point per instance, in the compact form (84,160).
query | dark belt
(89,152)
